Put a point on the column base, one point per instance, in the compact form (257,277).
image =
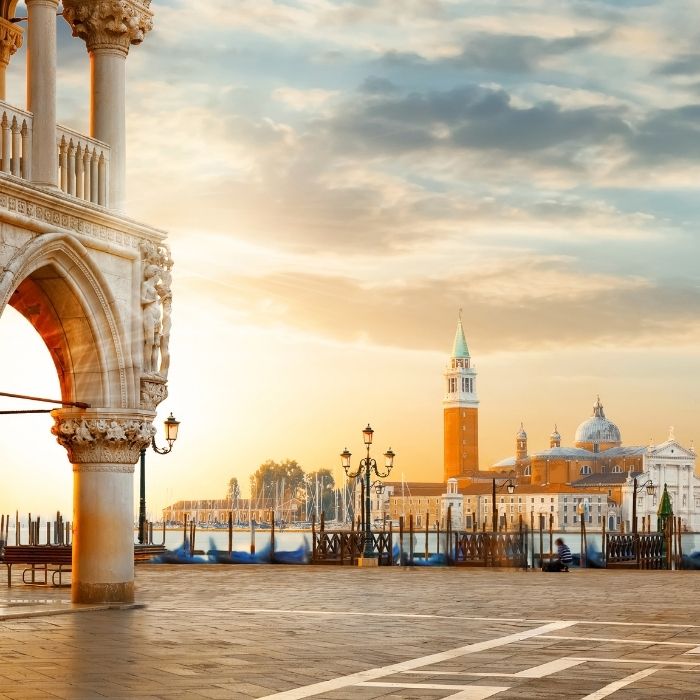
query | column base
(368,561)
(82,592)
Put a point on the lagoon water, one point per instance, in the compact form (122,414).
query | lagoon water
(289,540)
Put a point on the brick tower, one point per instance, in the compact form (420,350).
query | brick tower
(460,410)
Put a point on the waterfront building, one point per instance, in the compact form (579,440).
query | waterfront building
(213,512)
(94,283)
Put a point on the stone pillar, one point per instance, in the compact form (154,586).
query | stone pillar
(10,41)
(41,89)
(109,27)
(103,445)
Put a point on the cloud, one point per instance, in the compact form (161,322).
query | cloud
(473,118)
(509,53)
(526,304)
(682,65)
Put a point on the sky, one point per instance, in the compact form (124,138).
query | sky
(339,178)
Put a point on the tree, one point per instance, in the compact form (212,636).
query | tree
(326,490)
(284,478)
(234,490)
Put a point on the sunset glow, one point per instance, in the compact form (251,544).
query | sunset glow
(338,179)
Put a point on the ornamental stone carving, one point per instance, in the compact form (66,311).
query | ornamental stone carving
(10,40)
(109,24)
(153,392)
(105,440)
(156,303)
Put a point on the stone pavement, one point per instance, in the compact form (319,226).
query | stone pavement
(341,632)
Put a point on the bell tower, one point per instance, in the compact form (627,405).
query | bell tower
(460,410)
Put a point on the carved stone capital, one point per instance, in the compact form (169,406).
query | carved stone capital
(10,40)
(109,24)
(103,440)
(154,389)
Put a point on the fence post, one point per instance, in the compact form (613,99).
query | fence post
(603,548)
(410,538)
(427,531)
(391,543)
(401,540)
(230,532)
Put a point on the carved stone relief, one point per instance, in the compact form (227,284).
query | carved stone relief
(156,302)
(10,40)
(104,442)
(109,24)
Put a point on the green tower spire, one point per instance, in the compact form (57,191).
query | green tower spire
(459,348)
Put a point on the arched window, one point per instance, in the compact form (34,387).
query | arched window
(585,469)
(527,471)
(617,469)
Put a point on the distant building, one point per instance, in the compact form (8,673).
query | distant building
(216,511)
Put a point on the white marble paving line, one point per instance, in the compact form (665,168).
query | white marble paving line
(690,665)
(466,692)
(410,664)
(356,613)
(540,671)
(617,685)
(625,641)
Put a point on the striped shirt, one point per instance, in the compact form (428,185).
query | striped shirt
(564,554)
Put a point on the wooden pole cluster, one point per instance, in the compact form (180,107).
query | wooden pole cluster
(230,532)
(4,530)
(193,535)
(410,538)
(401,540)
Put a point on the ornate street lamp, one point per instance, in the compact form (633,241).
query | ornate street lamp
(510,486)
(364,471)
(171,427)
(650,487)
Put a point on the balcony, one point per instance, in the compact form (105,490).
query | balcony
(83,162)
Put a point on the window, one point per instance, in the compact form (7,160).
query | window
(527,471)
(541,500)
(585,469)
(617,469)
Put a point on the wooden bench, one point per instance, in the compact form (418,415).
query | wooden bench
(54,559)
(57,560)
(145,552)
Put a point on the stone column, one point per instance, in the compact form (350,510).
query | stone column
(41,88)
(10,41)
(103,445)
(109,28)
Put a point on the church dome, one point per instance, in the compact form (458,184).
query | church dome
(598,431)
(522,435)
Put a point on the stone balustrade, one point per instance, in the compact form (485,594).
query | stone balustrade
(83,166)
(83,162)
(15,141)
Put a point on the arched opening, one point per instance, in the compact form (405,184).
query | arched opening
(55,286)
(611,522)
(35,475)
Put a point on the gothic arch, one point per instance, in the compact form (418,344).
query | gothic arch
(54,284)
(7,8)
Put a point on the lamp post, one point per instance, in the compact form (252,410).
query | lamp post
(494,511)
(651,490)
(364,471)
(171,427)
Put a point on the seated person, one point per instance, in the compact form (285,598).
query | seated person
(563,554)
